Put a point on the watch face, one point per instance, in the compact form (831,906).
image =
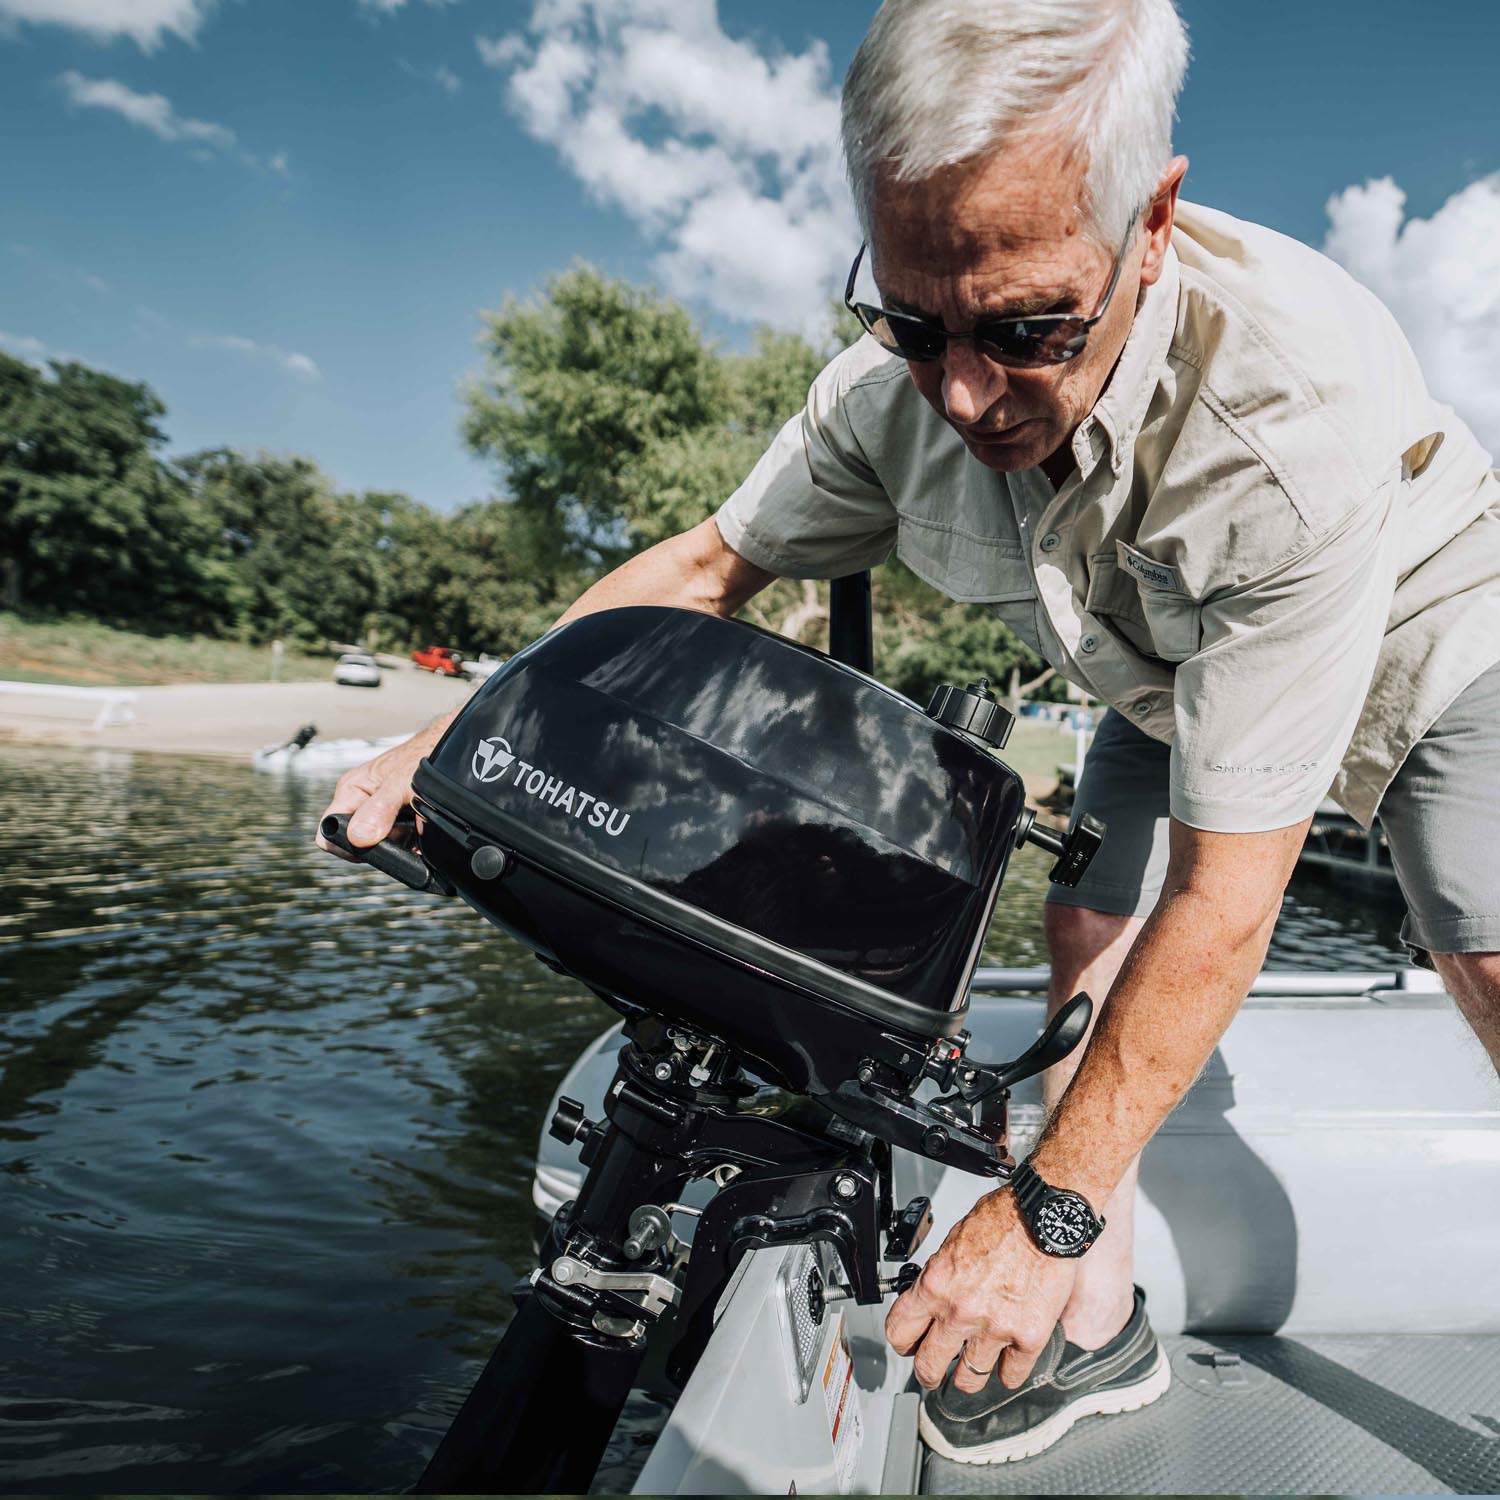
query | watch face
(1064,1220)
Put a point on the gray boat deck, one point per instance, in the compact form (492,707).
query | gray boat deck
(1347,1414)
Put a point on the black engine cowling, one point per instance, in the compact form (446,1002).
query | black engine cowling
(699,818)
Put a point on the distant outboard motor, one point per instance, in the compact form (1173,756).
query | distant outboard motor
(770,864)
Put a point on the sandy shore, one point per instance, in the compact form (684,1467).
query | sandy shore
(232,719)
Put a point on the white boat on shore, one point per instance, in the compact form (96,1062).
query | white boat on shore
(306,755)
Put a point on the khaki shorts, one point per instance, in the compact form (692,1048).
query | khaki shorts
(1441,816)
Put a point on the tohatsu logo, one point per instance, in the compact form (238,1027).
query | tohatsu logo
(494,759)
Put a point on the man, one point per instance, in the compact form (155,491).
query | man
(1195,466)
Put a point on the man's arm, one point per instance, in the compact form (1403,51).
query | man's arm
(1178,990)
(694,570)
(1190,969)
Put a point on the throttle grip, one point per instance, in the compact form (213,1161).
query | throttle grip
(390,859)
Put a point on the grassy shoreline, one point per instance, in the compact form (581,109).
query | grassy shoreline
(84,653)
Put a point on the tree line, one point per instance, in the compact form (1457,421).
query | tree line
(612,422)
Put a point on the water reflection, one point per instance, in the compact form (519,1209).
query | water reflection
(267,1125)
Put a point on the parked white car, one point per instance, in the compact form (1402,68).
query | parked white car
(354,669)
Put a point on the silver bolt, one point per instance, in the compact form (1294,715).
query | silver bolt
(846,1185)
(663,1071)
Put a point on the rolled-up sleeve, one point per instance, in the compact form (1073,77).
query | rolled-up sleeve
(1266,707)
(813,507)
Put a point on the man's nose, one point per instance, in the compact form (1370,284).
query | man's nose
(971,383)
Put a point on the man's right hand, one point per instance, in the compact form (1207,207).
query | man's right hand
(374,794)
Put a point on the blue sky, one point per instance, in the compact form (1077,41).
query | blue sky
(286,215)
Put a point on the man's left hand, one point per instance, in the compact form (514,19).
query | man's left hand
(989,1288)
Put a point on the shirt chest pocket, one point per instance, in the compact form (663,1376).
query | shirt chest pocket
(1143,601)
(973,569)
(964,565)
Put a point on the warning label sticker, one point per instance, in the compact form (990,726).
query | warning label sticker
(841,1398)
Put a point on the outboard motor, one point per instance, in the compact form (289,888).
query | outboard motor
(775,868)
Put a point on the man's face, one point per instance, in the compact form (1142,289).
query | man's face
(1000,237)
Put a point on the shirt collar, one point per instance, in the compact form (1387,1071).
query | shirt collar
(1121,408)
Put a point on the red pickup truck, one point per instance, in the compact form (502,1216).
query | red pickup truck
(442,659)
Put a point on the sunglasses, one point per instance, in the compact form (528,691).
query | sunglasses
(1022,343)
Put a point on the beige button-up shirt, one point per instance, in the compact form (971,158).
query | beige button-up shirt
(1276,551)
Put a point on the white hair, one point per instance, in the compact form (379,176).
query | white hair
(939,82)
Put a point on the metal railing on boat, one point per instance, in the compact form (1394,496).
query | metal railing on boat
(1273,983)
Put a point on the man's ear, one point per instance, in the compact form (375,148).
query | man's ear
(1158,219)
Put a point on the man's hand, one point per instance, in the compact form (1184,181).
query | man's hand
(374,794)
(989,1288)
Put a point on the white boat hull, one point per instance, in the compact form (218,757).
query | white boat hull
(1300,1206)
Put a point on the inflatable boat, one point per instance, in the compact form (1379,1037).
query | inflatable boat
(306,755)
(1318,1232)
(780,875)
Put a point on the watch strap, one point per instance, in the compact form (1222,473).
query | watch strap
(1032,1191)
(1026,1183)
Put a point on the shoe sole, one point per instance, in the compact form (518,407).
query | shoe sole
(1038,1439)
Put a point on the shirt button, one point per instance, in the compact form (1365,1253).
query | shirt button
(1090,642)
(1051,542)
(1142,705)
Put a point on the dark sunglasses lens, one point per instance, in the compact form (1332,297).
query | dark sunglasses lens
(909,337)
(1026,343)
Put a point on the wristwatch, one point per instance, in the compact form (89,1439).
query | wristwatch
(1061,1222)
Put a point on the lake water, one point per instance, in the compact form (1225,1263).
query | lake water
(267,1125)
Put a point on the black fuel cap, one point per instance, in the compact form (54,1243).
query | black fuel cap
(973,710)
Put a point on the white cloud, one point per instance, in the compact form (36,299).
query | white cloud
(500,51)
(445,78)
(1441,278)
(144,21)
(288,359)
(154,112)
(725,156)
(35,349)
(390,7)
(24,345)
(151,112)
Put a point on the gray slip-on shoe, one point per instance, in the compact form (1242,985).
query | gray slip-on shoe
(998,1425)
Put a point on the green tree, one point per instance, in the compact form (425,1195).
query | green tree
(488,578)
(309,563)
(580,384)
(91,519)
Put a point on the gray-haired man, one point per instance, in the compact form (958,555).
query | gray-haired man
(1196,467)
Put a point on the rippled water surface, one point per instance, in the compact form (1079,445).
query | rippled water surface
(267,1125)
